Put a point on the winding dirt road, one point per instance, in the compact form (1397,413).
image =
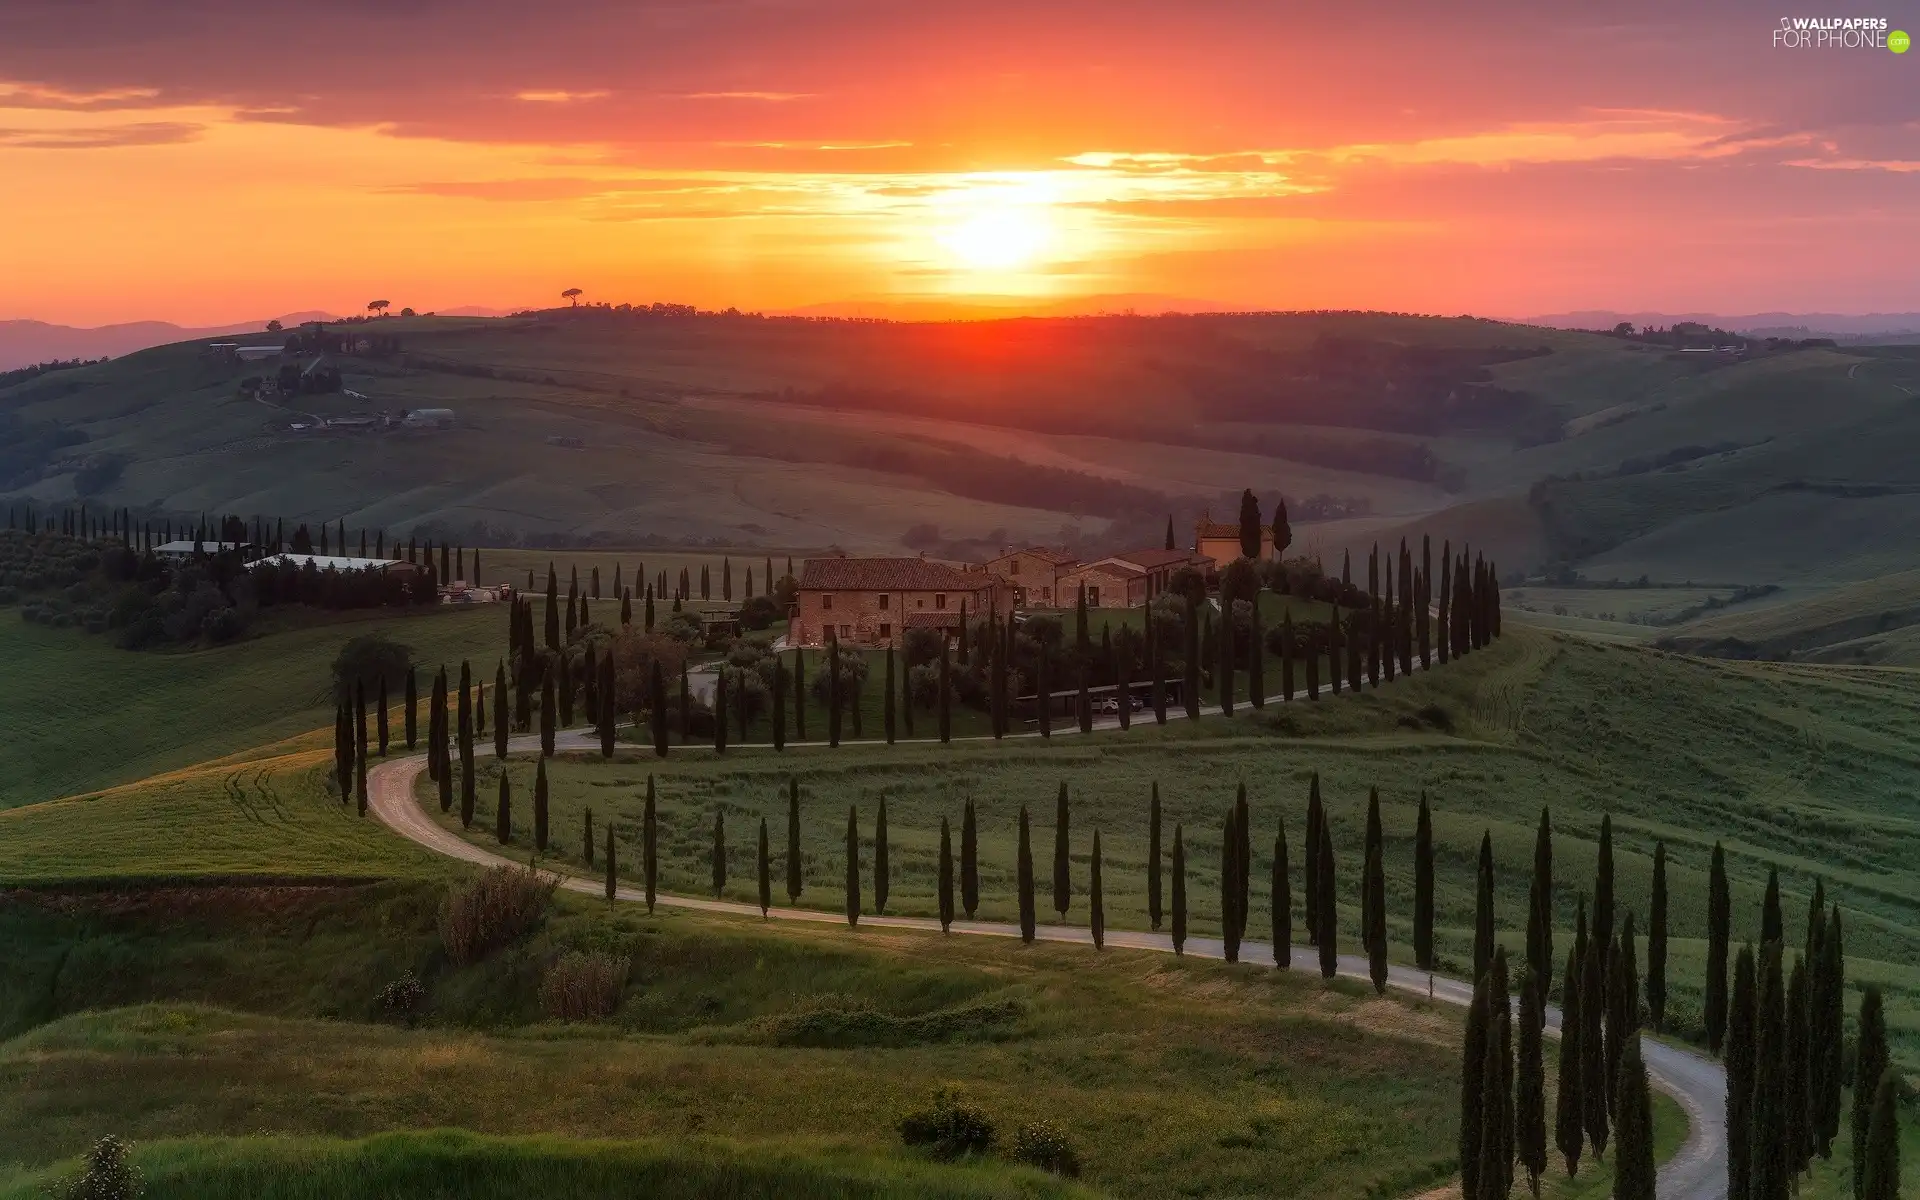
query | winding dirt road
(1698,1171)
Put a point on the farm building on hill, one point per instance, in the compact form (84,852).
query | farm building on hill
(1220,540)
(870,602)
(1032,573)
(1160,566)
(181,549)
(1109,584)
(337,562)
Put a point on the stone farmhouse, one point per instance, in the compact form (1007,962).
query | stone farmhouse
(872,602)
(1220,540)
(1043,578)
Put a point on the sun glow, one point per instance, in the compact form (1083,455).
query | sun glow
(999,237)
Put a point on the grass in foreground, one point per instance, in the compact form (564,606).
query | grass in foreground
(1169,1076)
(441,1163)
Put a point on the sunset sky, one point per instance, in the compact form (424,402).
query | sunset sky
(212,160)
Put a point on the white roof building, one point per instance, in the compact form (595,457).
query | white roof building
(186,547)
(335,562)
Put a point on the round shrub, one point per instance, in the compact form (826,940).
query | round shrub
(1045,1145)
(950,1127)
(109,1174)
(403,998)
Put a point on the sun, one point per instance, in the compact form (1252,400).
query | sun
(1001,237)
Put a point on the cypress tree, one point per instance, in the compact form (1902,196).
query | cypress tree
(1157,666)
(794,881)
(1870,1063)
(657,701)
(1633,1171)
(1593,1047)
(1423,887)
(1473,1087)
(547,714)
(500,718)
(1170,544)
(1083,664)
(1540,904)
(1742,1013)
(1880,1166)
(412,717)
(1483,908)
(799,694)
(552,614)
(1830,1037)
(1316,815)
(1496,1133)
(686,706)
(946,876)
(1657,940)
(1062,876)
(1336,667)
(1179,898)
(1153,857)
(1224,671)
(720,711)
(1282,904)
(969,860)
(503,812)
(946,695)
(1603,895)
(1530,1080)
(626,607)
(605,713)
(766,872)
(1797,1128)
(438,751)
(539,805)
(1097,912)
(650,845)
(1569,1125)
(613,870)
(1719,923)
(1229,888)
(1623,1004)
(646,611)
(1256,657)
(1770,924)
(380,717)
(719,851)
(881,871)
(342,751)
(1043,691)
(1123,677)
(853,866)
(1313,673)
(1190,684)
(1024,866)
(1768,1179)
(1329,920)
(1376,920)
(887,719)
(467,798)
(360,747)
(1286,655)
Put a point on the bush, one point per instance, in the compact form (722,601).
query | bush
(950,1127)
(584,987)
(760,612)
(368,659)
(403,998)
(109,1174)
(493,910)
(1043,1144)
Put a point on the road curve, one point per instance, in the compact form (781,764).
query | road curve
(1697,1171)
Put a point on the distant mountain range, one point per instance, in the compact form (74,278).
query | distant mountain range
(1775,324)
(23,343)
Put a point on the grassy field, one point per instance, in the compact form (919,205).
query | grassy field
(1169,1076)
(82,714)
(406,1166)
(1868,622)
(1804,769)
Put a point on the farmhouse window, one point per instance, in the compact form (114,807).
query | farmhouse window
(846,632)
(1093,596)
(940,601)
(1016,567)
(883,600)
(826,603)
(886,630)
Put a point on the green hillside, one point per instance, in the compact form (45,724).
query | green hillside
(1875,621)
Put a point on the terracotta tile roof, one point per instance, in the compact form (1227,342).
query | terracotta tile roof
(888,575)
(1111,568)
(931,620)
(1154,559)
(1056,557)
(1217,529)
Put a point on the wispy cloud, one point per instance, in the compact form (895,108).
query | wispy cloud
(767,97)
(102,137)
(559,96)
(17,94)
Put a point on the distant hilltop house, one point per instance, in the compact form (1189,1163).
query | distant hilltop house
(1043,578)
(234,352)
(872,602)
(182,549)
(426,418)
(337,562)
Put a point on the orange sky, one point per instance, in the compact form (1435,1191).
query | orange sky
(209,160)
